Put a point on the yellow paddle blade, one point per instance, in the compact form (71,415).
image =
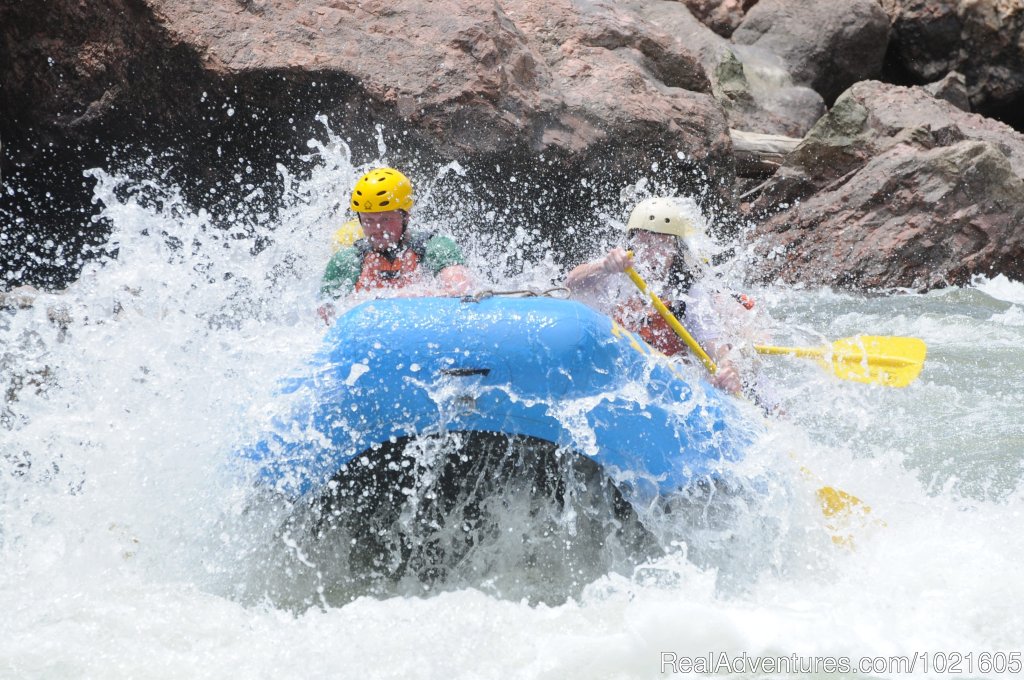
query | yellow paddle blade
(845,514)
(833,501)
(881,360)
(837,502)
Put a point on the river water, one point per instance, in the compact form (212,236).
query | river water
(131,389)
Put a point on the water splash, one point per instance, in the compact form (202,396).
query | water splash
(125,392)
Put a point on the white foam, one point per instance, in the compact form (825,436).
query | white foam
(1001,288)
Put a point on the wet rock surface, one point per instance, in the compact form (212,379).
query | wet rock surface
(896,188)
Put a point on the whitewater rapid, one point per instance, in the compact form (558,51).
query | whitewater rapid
(116,561)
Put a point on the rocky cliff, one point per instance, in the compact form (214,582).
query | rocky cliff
(556,91)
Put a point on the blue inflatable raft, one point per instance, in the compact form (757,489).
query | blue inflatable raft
(548,369)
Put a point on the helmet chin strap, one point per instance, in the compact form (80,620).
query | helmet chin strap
(688,268)
(394,250)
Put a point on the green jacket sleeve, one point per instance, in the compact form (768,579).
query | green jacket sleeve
(341,274)
(442,252)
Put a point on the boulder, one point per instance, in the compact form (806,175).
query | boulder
(895,188)
(475,77)
(982,39)
(753,85)
(870,118)
(464,78)
(471,78)
(910,218)
(827,46)
(952,88)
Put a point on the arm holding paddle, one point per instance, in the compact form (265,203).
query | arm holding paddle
(876,360)
(593,276)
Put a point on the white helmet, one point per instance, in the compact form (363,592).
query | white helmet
(663,216)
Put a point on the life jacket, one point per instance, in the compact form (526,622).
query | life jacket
(640,316)
(393,269)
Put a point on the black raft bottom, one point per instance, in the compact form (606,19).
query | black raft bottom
(512,515)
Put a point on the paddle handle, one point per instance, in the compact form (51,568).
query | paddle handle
(672,321)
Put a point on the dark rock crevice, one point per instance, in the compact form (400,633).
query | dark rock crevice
(983,40)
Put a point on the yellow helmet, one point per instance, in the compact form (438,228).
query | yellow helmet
(349,233)
(663,216)
(381,190)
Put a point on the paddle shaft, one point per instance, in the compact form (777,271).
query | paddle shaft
(673,322)
(807,352)
(820,352)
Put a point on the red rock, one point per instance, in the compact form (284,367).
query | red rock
(895,188)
